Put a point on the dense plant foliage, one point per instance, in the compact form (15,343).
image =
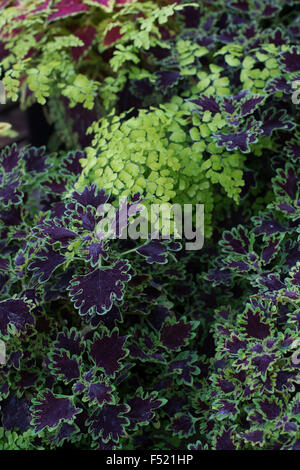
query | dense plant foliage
(119,344)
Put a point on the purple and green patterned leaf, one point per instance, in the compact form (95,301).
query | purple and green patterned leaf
(96,291)
(49,410)
(108,351)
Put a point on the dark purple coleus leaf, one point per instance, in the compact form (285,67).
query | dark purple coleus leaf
(270,250)
(143,347)
(9,158)
(274,120)
(58,209)
(158,316)
(268,226)
(142,409)
(94,252)
(70,340)
(184,367)
(108,350)
(262,362)
(109,422)
(284,207)
(278,37)
(15,413)
(91,196)
(225,441)
(239,266)
(67,8)
(10,192)
(296,407)
(270,10)
(100,393)
(191,16)
(109,321)
(240,139)
(236,241)
(49,410)
(182,425)
(71,163)
(225,385)
(207,103)
(27,380)
(230,103)
(36,160)
(95,292)
(4,389)
(286,183)
(55,185)
(155,251)
(174,335)
(12,216)
(84,219)
(292,254)
(64,367)
(294,151)
(196,446)
(295,275)
(4,264)
(57,289)
(291,60)
(278,84)
(64,433)
(167,78)
(15,359)
(242,5)
(254,326)
(269,408)
(16,313)
(253,436)
(55,232)
(78,387)
(271,281)
(218,276)
(283,380)
(45,263)
(226,408)
(250,104)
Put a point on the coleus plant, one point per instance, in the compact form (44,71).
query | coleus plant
(76,354)
(60,52)
(253,398)
(73,374)
(167,57)
(207,118)
(96,55)
(113,344)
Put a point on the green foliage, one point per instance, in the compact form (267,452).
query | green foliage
(12,440)
(41,54)
(162,155)
(7,131)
